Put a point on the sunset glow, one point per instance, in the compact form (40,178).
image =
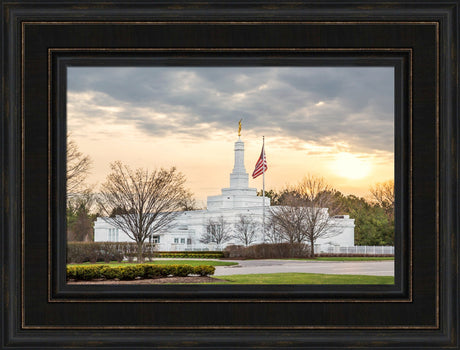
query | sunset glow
(331,122)
(352,166)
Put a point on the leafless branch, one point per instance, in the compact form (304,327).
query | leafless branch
(384,195)
(306,213)
(78,167)
(245,230)
(217,231)
(150,201)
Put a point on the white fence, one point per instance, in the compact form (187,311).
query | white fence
(359,249)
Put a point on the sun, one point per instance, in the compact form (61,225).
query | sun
(350,166)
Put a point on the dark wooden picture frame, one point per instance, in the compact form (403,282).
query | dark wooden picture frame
(41,39)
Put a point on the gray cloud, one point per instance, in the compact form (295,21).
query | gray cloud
(353,104)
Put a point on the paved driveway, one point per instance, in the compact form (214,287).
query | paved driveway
(376,268)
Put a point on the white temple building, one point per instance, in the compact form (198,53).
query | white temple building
(234,201)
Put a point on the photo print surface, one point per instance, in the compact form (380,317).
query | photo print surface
(270,175)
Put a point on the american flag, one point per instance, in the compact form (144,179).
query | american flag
(261,165)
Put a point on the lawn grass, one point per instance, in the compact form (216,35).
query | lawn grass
(303,278)
(164,262)
(345,258)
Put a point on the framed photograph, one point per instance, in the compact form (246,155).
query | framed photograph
(331,124)
(162,83)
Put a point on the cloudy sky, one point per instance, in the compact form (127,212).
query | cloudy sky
(335,122)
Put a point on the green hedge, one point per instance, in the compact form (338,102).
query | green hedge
(131,272)
(196,255)
(79,252)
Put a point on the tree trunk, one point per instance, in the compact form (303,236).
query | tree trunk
(312,248)
(140,257)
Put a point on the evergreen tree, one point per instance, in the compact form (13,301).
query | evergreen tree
(372,224)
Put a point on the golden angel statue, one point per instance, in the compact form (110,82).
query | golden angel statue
(239,127)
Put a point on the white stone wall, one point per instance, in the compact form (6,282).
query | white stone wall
(345,238)
(190,226)
(105,232)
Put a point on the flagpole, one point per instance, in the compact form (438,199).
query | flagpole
(263,190)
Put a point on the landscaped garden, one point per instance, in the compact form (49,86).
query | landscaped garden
(200,271)
(164,262)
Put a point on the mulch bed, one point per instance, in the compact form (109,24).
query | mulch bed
(188,279)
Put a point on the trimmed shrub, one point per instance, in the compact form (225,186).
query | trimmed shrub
(85,273)
(204,270)
(268,251)
(72,272)
(131,272)
(110,273)
(152,271)
(79,252)
(107,251)
(182,270)
(168,270)
(190,254)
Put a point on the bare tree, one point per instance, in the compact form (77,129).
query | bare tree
(245,230)
(150,201)
(383,194)
(80,199)
(86,198)
(290,219)
(78,167)
(217,231)
(307,211)
(273,232)
(188,203)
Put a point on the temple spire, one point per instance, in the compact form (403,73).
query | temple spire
(239,178)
